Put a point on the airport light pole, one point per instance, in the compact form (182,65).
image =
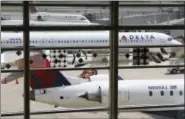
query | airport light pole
(113,80)
(26,59)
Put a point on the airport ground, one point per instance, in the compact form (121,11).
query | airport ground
(11,93)
(12,100)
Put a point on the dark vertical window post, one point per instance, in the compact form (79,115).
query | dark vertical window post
(184,42)
(113,80)
(26,59)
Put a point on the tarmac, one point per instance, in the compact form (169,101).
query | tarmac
(12,100)
(11,93)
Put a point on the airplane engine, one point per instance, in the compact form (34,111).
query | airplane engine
(155,59)
(163,51)
(95,95)
(157,54)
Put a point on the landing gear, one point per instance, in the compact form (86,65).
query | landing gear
(174,71)
(18,52)
(55,106)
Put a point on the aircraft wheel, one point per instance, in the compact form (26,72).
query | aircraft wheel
(174,71)
(18,52)
(182,71)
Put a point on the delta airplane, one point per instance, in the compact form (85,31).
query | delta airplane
(62,17)
(52,87)
(86,38)
(44,23)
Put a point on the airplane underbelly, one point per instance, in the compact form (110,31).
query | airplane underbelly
(83,103)
(79,103)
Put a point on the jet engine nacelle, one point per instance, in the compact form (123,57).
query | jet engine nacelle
(94,95)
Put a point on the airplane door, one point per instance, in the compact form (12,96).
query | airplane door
(122,95)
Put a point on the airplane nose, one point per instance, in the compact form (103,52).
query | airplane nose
(176,42)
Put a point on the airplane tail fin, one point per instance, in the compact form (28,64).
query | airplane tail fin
(47,79)
(33,9)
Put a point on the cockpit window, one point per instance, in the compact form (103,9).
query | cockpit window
(170,39)
(82,18)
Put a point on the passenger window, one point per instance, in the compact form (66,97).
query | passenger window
(162,93)
(150,93)
(180,93)
(82,18)
(171,93)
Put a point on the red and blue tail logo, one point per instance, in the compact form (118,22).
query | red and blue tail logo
(47,79)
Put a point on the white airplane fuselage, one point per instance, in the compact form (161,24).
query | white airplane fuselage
(130,93)
(48,23)
(85,38)
(81,39)
(60,17)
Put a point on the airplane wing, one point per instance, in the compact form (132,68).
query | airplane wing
(123,109)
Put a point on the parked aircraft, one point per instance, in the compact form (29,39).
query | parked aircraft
(62,17)
(87,38)
(44,23)
(52,87)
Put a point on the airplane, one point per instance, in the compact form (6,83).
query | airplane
(44,23)
(89,39)
(54,88)
(62,17)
